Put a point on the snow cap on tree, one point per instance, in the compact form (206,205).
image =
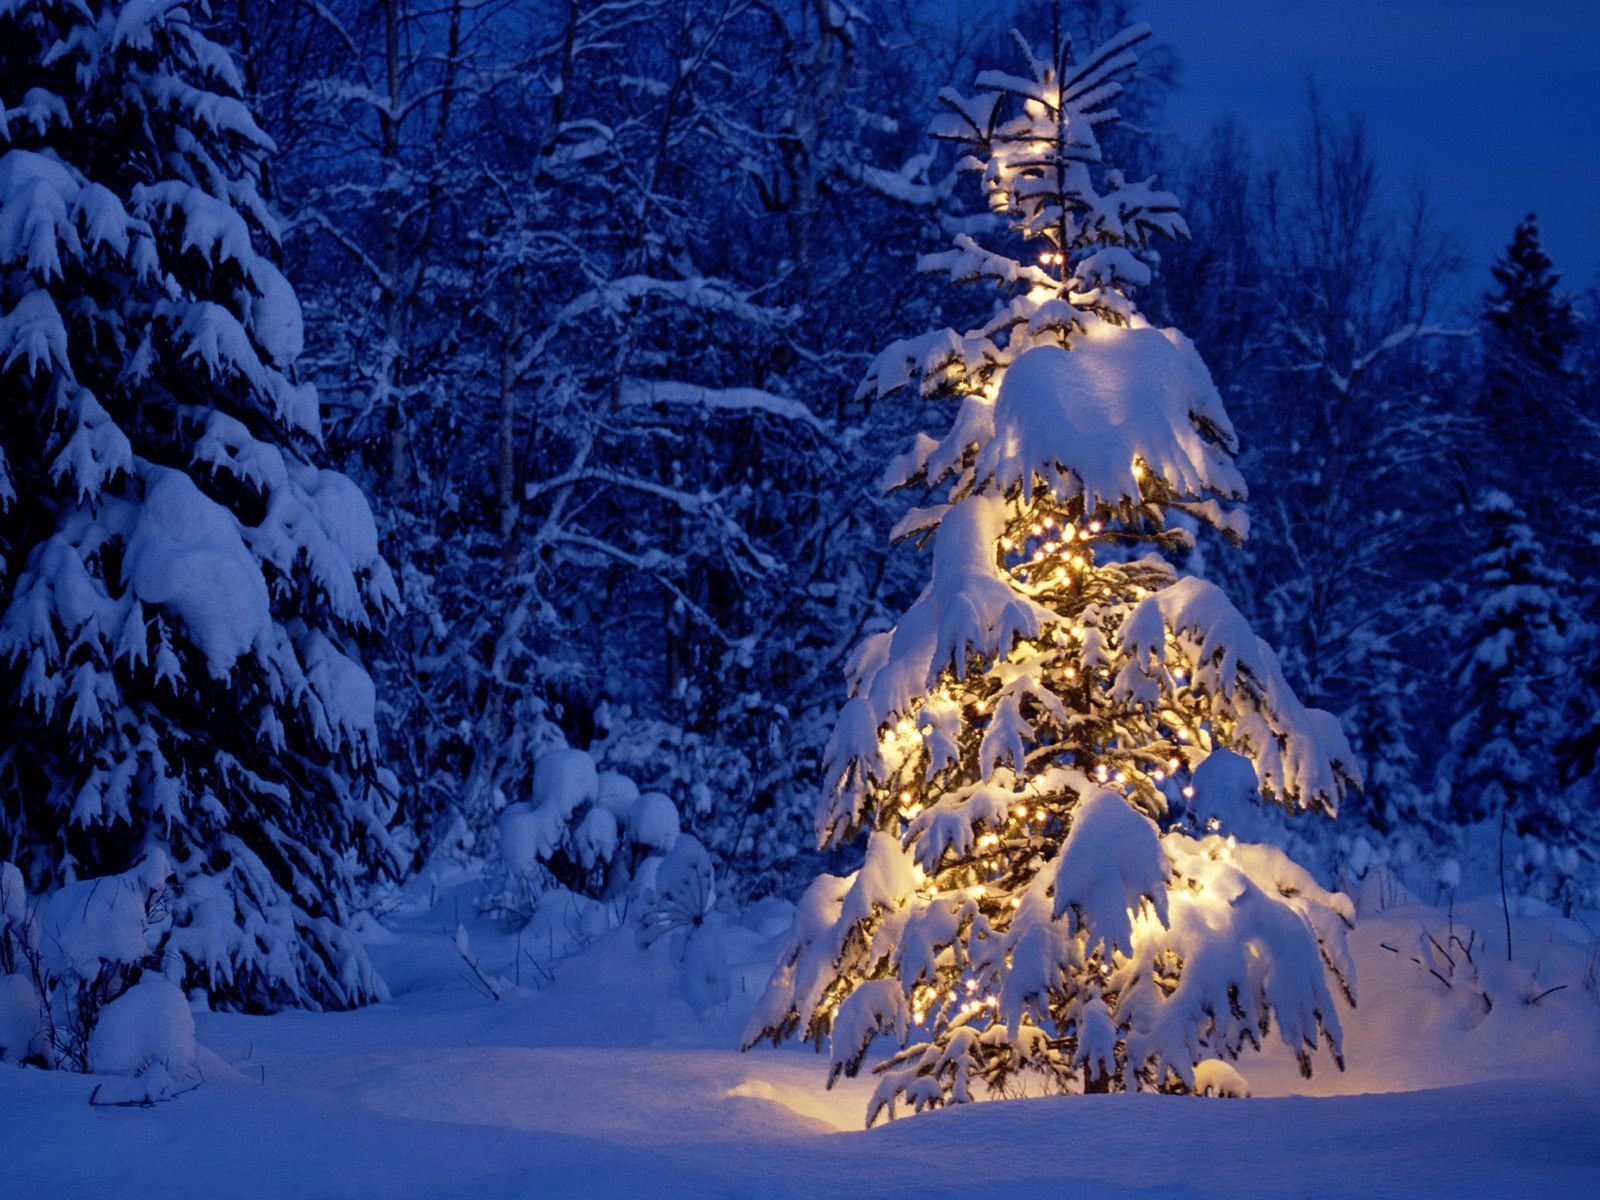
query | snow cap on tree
(1017,748)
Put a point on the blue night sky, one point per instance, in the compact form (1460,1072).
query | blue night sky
(1494,105)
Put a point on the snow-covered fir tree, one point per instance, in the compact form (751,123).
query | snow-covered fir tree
(1519,632)
(183,587)
(1022,749)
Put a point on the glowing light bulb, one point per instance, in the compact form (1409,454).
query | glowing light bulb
(1188,792)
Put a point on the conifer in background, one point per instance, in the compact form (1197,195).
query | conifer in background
(182,588)
(1518,684)
(1526,406)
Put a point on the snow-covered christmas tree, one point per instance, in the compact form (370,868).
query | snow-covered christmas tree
(1044,752)
(182,588)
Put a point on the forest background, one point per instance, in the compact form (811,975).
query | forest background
(589,289)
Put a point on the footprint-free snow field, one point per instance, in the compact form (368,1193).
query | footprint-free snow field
(603,1082)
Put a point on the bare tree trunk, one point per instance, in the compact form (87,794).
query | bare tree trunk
(506,477)
(393,314)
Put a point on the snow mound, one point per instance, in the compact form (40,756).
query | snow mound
(148,1024)
(654,821)
(617,793)
(96,922)
(564,779)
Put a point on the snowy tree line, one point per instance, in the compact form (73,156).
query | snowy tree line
(588,290)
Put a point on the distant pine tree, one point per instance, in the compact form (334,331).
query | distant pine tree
(1517,629)
(182,589)
(1526,407)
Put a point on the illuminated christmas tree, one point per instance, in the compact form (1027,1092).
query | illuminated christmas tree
(1045,752)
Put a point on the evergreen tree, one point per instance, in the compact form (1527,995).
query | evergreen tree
(1021,750)
(1526,406)
(183,588)
(1517,682)
(1581,752)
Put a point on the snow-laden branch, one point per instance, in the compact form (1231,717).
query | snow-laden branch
(738,399)
(1344,380)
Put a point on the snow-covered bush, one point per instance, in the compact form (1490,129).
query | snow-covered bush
(680,904)
(25,1034)
(184,588)
(80,985)
(582,830)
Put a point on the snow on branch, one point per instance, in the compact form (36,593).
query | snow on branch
(737,399)
(1124,404)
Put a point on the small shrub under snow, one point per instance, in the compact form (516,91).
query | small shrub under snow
(77,984)
(582,832)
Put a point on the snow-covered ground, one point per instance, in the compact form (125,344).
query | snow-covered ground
(605,1083)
